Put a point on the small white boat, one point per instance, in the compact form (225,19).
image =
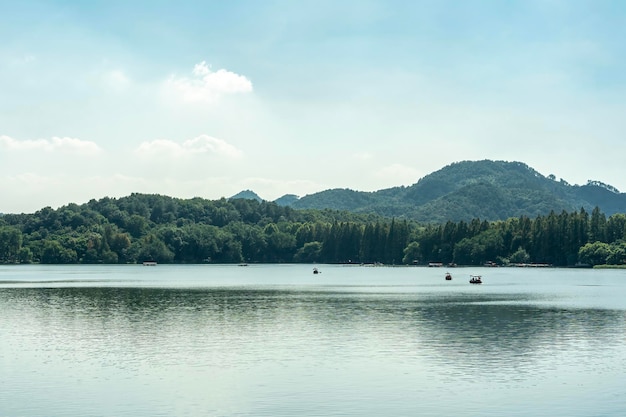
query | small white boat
(149,263)
(476,279)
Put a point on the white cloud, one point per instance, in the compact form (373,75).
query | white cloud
(70,145)
(202,144)
(206,86)
(201,69)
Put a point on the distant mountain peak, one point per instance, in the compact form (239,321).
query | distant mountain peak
(247,195)
(486,189)
(287,200)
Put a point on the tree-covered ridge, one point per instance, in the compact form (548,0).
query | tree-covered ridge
(492,190)
(141,226)
(171,230)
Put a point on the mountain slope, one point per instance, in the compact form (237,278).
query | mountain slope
(489,190)
(247,195)
(286,200)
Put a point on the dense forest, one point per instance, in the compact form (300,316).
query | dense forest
(170,230)
(489,190)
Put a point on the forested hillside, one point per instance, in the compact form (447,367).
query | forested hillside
(491,190)
(170,230)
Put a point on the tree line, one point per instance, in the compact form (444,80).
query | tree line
(169,230)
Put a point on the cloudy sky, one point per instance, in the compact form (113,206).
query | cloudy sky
(208,98)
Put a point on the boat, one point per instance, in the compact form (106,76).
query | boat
(149,263)
(316,271)
(476,279)
(448,276)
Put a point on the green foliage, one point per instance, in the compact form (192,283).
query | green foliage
(10,244)
(486,246)
(520,256)
(412,253)
(309,253)
(600,253)
(55,253)
(25,256)
(141,227)
(493,190)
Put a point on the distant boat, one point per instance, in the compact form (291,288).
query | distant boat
(149,263)
(316,271)
(476,279)
(448,276)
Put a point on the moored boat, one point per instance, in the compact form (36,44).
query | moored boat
(448,276)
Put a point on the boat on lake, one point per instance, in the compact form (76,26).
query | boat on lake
(476,279)
(316,271)
(149,263)
(448,276)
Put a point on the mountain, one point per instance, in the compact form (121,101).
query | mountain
(247,195)
(287,200)
(489,190)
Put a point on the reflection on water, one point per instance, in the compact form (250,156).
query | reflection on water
(254,351)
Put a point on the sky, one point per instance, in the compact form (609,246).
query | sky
(209,98)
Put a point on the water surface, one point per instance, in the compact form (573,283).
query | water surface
(276,340)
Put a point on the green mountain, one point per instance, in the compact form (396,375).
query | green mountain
(489,190)
(287,200)
(247,195)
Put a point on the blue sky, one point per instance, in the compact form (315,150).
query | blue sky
(207,98)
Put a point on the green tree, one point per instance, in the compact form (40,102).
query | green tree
(597,226)
(520,256)
(596,253)
(153,248)
(309,253)
(120,244)
(25,256)
(10,244)
(137,226)
(229,248)
(412,253)
(280,245)
(616,227)
(617,255)
(397,239)
(55,253)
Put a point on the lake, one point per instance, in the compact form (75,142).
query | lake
(277,340)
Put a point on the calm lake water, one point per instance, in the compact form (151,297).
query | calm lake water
(276,340)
